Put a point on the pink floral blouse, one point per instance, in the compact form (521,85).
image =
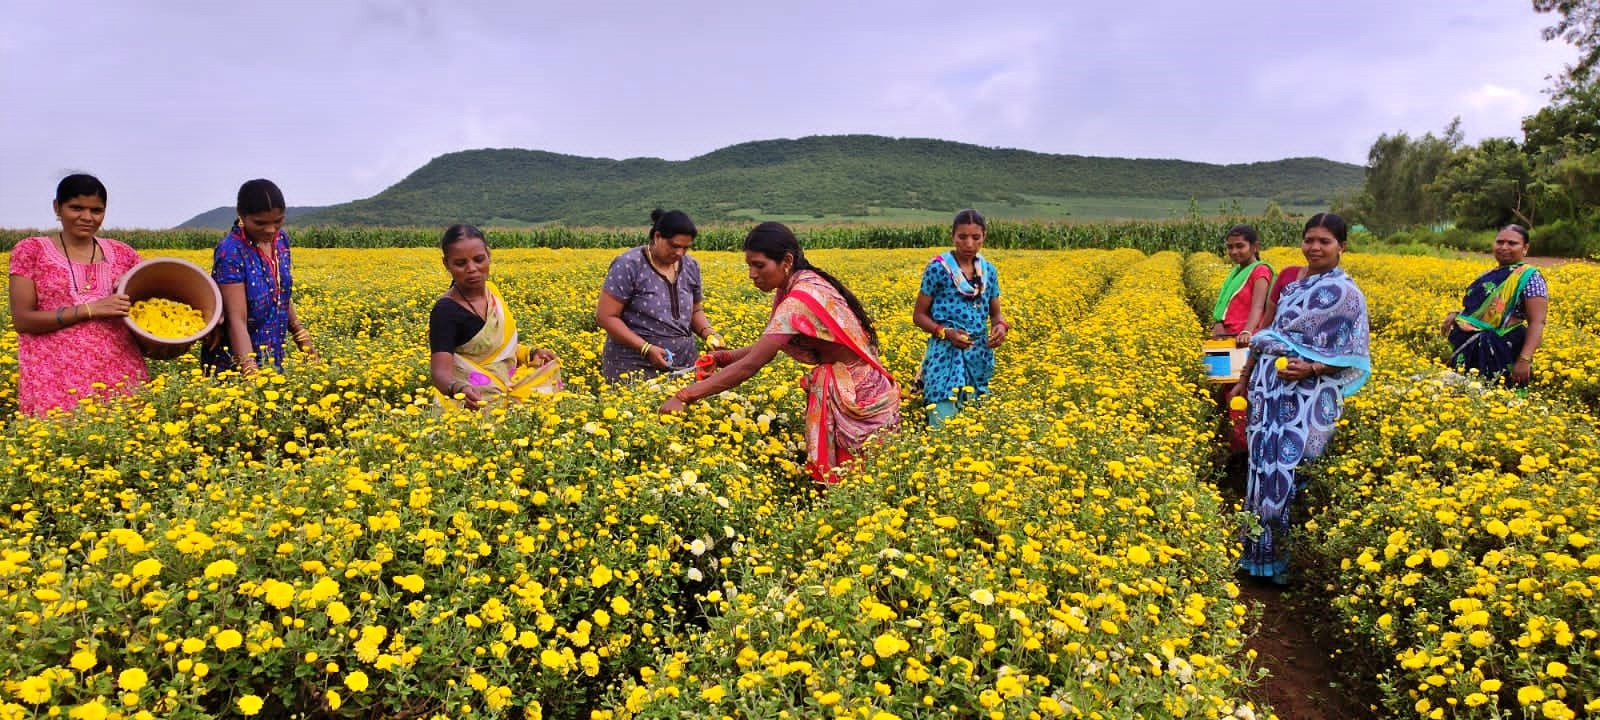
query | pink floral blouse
(57,368)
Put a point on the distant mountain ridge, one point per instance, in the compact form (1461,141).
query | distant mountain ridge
(822,177)
(222,218)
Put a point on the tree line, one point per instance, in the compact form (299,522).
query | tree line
(1548,179)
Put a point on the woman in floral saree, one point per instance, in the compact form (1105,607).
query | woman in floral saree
(1302,367)
(475,358)
(1501,321)
(816,320)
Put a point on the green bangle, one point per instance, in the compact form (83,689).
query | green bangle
(59,321)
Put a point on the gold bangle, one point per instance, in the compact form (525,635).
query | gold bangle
(645,349)
(89,309)
(941,332)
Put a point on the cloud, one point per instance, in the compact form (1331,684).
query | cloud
(1500,106)
(175,102)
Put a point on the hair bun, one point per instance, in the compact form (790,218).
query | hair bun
(655,215)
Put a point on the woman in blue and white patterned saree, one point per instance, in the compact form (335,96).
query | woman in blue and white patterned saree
(1301,369)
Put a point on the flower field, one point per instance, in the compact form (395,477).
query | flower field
(321,543)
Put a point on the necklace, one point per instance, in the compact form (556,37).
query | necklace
(676,264)
(88,273)
(484,316)
(976,278)
(269,260)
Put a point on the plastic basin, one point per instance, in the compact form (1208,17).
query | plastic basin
(172,279)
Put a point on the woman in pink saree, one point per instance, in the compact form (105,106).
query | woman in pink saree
(819,322)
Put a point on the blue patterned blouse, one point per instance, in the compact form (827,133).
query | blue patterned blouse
(267,297)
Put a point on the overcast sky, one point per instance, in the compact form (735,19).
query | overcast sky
(174,103)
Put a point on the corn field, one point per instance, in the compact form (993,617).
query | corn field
(1182,235)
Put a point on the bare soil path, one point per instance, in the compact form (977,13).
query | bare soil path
(1304,681)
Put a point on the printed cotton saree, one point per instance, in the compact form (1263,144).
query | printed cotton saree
(494,363)
(846,402)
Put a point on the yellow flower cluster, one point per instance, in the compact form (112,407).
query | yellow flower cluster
(166,318)
(320,542)
(1051,552)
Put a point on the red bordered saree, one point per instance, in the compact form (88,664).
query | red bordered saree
(846,402)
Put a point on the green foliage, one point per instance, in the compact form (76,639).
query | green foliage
(1561,141)
(1438,241)
(855,176)
(1567,238)
(1574,178)
(1463,239)
(1185,236)
(1399,169)
(1570,122)
(1487,186)
(1578,23)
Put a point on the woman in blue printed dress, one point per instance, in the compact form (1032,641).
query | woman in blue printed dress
(1301,368)
(251,267)
(959,307)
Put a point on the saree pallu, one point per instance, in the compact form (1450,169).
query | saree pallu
(490,362)
(1288,423)
(1227,310)
(846,402)
(1489,353)
(1321,318)
(1489,332)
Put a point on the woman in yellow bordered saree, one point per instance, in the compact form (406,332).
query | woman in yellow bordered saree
(475,359)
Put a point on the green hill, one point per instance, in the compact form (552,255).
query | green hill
(223,217)
(830,177)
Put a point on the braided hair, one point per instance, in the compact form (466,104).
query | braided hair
(775,240)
